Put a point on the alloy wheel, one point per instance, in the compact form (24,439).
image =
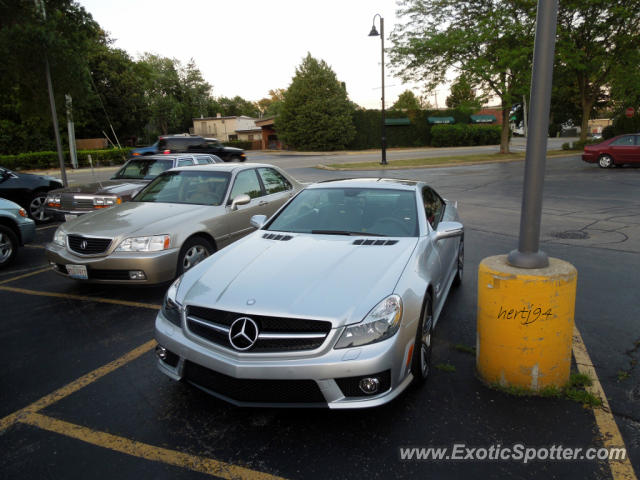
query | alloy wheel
(193,256)
(36,209)
(6,248)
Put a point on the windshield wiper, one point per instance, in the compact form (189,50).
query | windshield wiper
(345,232)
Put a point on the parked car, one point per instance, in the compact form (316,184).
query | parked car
(28,190)
(68,203)
(16,229)
(614,152)
(332,302)
(197,144)
(149,150)
(180,218)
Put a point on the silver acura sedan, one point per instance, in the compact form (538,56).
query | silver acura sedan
(180,218)
(332,302)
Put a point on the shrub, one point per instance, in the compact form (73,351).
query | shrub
(579,144)
(554,129)
(464,135)
(49,159)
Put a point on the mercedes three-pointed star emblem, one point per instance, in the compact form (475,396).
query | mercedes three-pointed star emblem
(243,333)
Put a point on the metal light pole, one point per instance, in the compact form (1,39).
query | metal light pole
(374,33)
(528,254)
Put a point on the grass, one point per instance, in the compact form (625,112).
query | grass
(623,375)
(448,160)
(446,367)
(464,348)
(574,390)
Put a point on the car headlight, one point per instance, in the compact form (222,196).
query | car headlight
(106,202)
(380,323)
(170,307)
(53,200)
(153,243)
(60,237)
(22,212)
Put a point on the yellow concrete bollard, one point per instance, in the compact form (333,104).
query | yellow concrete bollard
(525,323)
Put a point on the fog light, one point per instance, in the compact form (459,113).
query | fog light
(137,275)
(161,352)
(369,385)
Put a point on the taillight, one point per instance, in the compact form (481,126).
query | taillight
(166,152)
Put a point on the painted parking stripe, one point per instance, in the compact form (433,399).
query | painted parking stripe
(25,275)
(611,438)
(84,298)
(76,385)
(143,450)
(48,226)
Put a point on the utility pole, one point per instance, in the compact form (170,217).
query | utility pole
(72,132)
(54,115)
(524,112)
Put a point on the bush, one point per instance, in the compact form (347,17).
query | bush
(554,129)
(579,145)
(43,160)
(243,144)
(608,132)
(465,135)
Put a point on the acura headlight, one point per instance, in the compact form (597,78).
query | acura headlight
(60,237)
(153,243)
(381,323)
(170,306)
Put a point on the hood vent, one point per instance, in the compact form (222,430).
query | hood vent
(374,242)
(277,236)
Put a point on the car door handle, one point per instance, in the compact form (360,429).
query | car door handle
(263,203)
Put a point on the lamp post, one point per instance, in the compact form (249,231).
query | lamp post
(374,33)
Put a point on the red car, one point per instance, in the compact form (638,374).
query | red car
(615,151)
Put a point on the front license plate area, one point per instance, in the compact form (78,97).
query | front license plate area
(77,271)
(68,217)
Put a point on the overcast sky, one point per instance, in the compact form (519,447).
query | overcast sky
(248,47)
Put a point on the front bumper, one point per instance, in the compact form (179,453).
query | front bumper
(27,230)
(60,214)
(589,157)
(322,366)
(158,267)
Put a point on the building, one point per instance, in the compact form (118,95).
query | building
(269,135)
(227,129)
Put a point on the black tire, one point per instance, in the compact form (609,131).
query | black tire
(8,246)
(193,251)
(605,161)
(421,357)
(457,280)
(35,209)
(236,158)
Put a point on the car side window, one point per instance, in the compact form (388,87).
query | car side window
(204,160)
(246,183)
(627,140)
(433,206)
(185,162)
(273,181)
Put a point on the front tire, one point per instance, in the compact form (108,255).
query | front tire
(36,207)
(457,280)
(421,358)
(8,246)
(605,161)
(193,251)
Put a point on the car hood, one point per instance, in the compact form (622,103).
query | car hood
(139,218)
(33,176)
(108,187)
(323,277)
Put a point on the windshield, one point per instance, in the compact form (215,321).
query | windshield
(143,169)
(194,187)
(350,211)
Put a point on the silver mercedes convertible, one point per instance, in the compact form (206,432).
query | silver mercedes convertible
(331,302)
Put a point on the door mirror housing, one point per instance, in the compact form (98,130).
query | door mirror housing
(448,230)
(240,200)
(258,221)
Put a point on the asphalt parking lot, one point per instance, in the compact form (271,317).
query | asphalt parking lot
(81,395)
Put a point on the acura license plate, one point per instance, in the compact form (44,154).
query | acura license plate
(77,271)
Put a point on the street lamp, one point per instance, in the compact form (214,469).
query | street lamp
(374,33)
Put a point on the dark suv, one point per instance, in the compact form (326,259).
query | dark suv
(197,144)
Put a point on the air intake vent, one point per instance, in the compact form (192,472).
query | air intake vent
(277,236)
(362,241)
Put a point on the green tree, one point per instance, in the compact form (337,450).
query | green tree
(597,43)
(489,42)
(235,106)
(463,96)
(316,113)
(407,101)
(270,106)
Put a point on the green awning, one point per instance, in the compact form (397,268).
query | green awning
(483,118)
(397,121)
(441,120)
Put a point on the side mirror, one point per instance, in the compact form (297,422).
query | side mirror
(258,221)
(240,200)
(448,230)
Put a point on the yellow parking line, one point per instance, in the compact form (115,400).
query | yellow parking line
(48,226)
(76,385)
(71,296)
(611,438)
(25,275)
(144,450)
(33,245)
